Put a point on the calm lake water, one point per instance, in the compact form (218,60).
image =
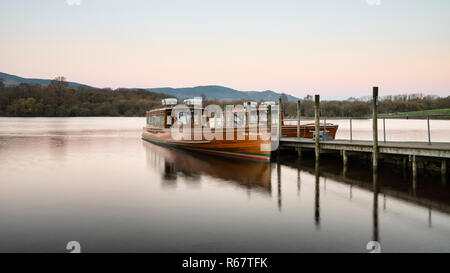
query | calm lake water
(93,180)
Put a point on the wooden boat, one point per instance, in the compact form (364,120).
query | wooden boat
(307,130)
(247,141)
(244,142)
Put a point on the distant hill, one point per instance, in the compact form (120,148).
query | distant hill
(211,91)
(16,80)
(220,93)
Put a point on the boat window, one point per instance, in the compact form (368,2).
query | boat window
(196,119)
(197,116)
(239,119)
(161,121)
(169,120)
(182,119)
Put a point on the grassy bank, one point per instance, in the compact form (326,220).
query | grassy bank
(445,111)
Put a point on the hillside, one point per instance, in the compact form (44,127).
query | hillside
(220,93)
(16,80)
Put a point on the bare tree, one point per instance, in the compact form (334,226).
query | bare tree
(59,83)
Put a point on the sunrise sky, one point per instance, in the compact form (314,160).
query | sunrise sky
(334,48)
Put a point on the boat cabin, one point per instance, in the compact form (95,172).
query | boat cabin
(159,118)
(162,118)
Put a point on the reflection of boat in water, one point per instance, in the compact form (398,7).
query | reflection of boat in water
(243,139)
(176,162)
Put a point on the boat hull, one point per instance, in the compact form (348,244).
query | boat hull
(241,145)
(307,130)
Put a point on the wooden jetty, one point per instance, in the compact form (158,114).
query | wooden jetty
(437,150)
(405,151)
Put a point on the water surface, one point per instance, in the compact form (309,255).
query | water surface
(93,180)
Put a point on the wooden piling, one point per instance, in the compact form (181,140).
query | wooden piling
(404,163)
(375,231)
(298,118)
(280,122)
(375,128)
(444,167)
(345,162)
(414,171)
(444,172)
(299,152)
(317,123)
(345,158)
(279,184)
(280,108)
(317,196)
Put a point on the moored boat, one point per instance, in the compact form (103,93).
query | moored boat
(245,141)
(249,137)
(307,130)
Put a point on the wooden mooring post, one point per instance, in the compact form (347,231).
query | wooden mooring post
(279,184)
(405,163)
(345,161)
(299,150)
(376,189)
(345,158)
(298,118)
(317,123)
(444,172)
(317,196)
(444,167)
(280,133)
(414,165)
(375,129)
(414,173)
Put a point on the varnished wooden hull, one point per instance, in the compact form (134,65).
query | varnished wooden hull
(242,144)
(307,130)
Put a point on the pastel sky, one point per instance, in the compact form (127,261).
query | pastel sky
(336,48)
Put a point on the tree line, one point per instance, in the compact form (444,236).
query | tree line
(59,100)
(362,107)
(356,107)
